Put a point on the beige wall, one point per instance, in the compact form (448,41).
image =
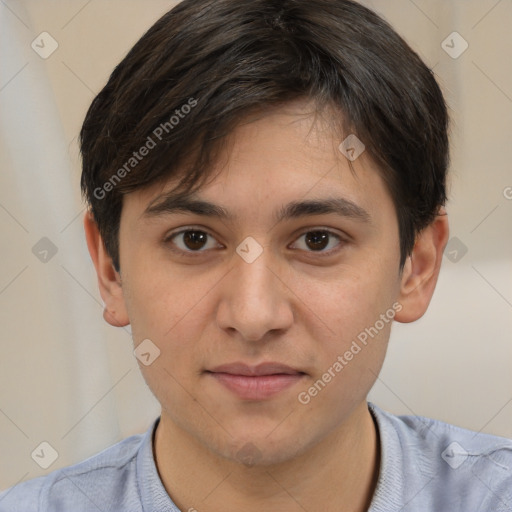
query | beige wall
(71,380)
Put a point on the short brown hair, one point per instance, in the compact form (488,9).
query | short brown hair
(198,71)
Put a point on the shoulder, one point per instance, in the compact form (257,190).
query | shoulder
(105,478)
(454,466)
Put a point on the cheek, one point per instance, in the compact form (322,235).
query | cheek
(353,323)
(161,300)
(174,311)
(344,305)
(350,321)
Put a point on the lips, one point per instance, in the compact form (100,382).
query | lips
(251,371)
(256,382)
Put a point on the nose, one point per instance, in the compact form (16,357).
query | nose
(254,300)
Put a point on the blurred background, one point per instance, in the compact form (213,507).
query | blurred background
(69,379)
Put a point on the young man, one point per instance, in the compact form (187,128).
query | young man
(266,183)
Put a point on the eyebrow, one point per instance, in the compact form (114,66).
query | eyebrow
(340,206)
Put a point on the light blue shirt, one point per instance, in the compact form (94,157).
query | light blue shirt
(426,466)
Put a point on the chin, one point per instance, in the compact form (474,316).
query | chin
(260,451)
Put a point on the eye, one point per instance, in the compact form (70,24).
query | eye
(319,240)
(191,240)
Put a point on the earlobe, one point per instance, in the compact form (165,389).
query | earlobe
(109,281)
(421,269)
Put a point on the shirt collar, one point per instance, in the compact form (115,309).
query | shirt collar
(153,496)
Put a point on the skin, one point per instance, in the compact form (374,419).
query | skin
(291,305)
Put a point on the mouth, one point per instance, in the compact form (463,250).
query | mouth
(256,382)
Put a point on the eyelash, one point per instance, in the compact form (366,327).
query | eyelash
(169,243)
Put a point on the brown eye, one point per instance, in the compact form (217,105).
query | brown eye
(317,240)
(320,241)
(192,240)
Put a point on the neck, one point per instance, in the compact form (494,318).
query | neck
(337,474)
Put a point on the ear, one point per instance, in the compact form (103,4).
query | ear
(421,269)
(109,280)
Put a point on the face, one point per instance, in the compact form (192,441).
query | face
(272,308)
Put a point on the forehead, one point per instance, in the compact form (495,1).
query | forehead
(288,154)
